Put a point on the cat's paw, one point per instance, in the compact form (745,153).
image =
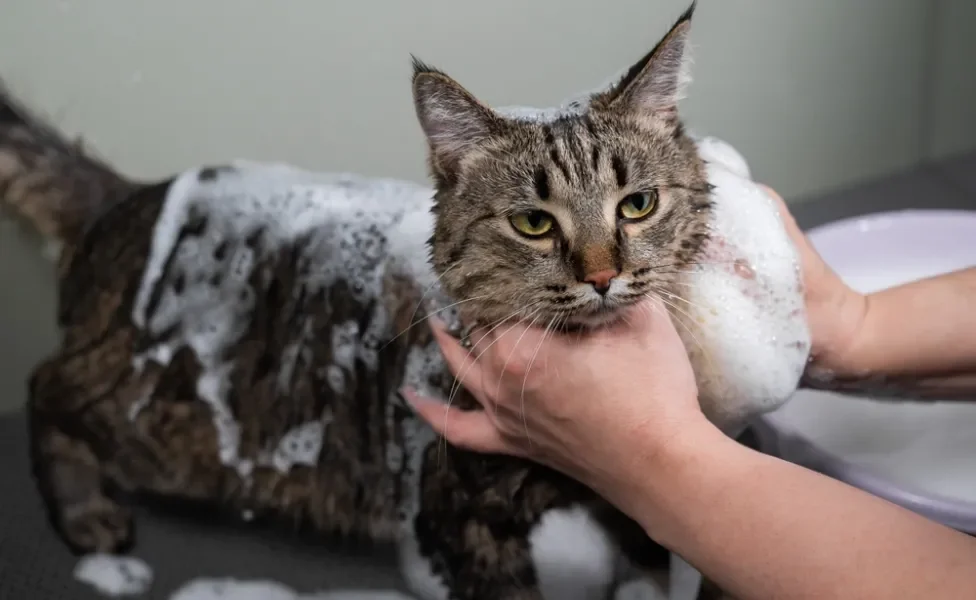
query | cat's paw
(98,526)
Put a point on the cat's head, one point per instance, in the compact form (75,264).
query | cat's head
(565,220)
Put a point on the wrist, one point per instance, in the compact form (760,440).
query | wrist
(843,350)
(650,489)
(918,329)
(855,348)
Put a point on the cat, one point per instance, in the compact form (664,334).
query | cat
(236,335)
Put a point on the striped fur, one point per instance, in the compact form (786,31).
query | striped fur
(577,167)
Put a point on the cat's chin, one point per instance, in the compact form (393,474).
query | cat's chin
(596,319)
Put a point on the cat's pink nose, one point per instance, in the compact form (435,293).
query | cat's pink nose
(601,280)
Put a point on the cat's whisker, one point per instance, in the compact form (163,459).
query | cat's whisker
(681,298)
(682,283)
(458,381)
(525,422)
(666,296)
(672,270)
(437,279)
(489,328)
(525,377)
(692,263)
(560,321)
(430,315)
(686,326)
(657,307)
(498,386)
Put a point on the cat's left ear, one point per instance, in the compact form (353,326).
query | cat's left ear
(655,84)
(454,121)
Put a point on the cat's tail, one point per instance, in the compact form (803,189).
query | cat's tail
(49,181)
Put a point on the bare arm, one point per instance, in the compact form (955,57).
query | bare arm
(763,528)
(917,339)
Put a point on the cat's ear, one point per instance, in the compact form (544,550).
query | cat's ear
(657,81)
(453,120)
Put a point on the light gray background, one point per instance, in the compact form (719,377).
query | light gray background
(818,95)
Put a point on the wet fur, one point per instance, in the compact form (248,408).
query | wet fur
(52,184)
(97,443)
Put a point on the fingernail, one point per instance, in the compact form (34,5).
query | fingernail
(408,396)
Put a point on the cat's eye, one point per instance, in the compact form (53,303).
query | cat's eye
(637,206)
(534,223)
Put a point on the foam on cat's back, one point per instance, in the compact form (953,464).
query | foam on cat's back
(206,588)
(745,326)
(344,228)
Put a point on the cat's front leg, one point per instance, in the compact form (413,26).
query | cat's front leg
(453,557)
(69,478)
(643,569)
(69,474)
(490,527)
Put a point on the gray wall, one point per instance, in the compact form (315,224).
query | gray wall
(818,94)
(952,109)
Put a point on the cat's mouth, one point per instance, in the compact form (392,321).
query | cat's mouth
(591,312)
(600,313)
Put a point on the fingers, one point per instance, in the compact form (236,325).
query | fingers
(780,203)
(517,348)
(773,193)
(784,211)
(473,430)
(507,349)
(460,362)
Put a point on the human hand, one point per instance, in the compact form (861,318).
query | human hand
(835,311)
(593,405)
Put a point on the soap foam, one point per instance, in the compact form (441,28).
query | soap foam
(353,230)
(113,575)
(235,589)
(741,313)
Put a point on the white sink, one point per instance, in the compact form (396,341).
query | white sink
(919,455)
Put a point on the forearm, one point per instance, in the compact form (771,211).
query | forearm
(766,529)
(918,339)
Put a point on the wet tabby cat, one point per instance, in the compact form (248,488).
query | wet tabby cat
(237,335)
